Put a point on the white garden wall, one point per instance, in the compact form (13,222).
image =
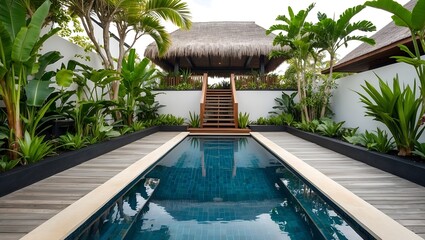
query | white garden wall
(179,103)
(69,51)
(346,102)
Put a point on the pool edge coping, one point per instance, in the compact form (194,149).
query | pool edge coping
(69,219)
(378,224)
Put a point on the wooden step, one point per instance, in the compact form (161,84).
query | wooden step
(220,131)
(218,125)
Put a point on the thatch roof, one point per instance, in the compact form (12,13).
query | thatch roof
(366,57)
(218,47)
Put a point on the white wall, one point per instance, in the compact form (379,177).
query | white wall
(68,50)
(179,103)
(346,102)
(257,103)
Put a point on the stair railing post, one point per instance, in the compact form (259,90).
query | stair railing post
(235,102)
(203,99)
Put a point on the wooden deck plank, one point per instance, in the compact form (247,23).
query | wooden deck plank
(25,209)
(400,199)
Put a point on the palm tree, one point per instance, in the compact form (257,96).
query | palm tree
(330,35)
(299,41)
(138,16)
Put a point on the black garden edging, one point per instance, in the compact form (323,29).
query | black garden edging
(404,168)
(25,175)
(266,128)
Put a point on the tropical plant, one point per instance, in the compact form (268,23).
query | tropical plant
(308,126)
(148,111)
(165,120)
(328,127)
(301,47)
(71,141)
(38,94)
(379,141)
(414,20)
(194,120)
(348,132)
(138,78)
(6,164)
(397,109)
(288,119)
(262,121)
(19,44)
(330,35)
(243,120)
(140,17)
(285,104)
(420,150)
(34,149)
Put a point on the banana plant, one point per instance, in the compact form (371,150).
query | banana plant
(136,84)
(330,35)
(19,43)
(414,20)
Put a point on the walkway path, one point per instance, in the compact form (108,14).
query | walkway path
(400,199)
(25,209)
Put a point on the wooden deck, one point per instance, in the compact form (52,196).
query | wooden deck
(23,210)
(400,199)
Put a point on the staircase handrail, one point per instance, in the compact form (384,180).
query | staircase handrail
(203,98)
(235,102)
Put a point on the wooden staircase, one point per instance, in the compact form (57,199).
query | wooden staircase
(219,110)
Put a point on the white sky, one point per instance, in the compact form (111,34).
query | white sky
(264,13)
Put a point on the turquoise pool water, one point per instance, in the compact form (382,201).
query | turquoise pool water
(219,188)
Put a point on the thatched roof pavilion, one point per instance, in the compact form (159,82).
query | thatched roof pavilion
(218,48)
(366,57)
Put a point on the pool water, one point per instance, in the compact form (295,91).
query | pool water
(220,188)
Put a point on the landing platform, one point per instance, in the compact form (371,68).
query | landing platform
(219,130)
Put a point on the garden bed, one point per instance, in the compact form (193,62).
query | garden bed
(399,166)
(23,176)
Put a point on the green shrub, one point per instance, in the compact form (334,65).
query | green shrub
(420,150)
(71,141)
(34,149)
(308,126)
(194,120)
(243,120)
(328,127)
(398,110)
(6,164)
(379,141)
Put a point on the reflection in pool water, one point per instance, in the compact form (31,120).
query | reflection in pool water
(221,188)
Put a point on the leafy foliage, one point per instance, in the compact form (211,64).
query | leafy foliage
(329,128)
(194,120)
(397,109)
(34,149)
(243,120)
(71,141)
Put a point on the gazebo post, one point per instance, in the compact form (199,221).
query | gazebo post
(262,68)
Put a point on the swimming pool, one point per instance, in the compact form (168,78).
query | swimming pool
(218,188)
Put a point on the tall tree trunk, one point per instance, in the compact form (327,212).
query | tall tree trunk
(304,93)
(327,90)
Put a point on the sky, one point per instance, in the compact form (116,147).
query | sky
(264,13)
